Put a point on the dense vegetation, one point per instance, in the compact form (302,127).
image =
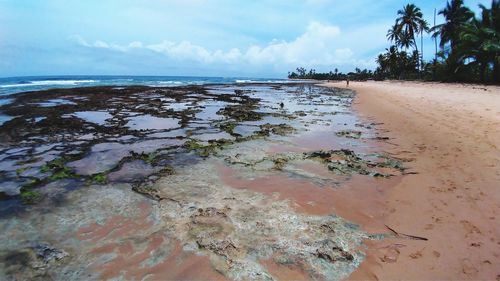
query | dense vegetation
(358,74)
(469,48)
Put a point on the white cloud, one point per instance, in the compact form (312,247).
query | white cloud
(319,45)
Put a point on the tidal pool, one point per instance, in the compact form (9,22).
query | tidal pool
(148,122)
(98,117)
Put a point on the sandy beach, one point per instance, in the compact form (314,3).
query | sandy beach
(452,134)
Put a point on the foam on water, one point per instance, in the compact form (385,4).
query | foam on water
(49,83)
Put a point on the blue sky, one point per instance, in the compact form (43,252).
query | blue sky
(260,38)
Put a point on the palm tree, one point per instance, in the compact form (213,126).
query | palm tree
(394,34)
(493,24)
(399,37)
(411,22)
(480,40)
(405,40)
(456,15)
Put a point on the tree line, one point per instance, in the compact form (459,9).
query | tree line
(469,48)
(358,74)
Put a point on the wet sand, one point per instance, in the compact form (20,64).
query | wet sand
(453,134)
(358,199)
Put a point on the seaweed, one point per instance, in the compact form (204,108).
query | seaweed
(349,134)
(205,150)
(280,129)
(100,178)
(30,197)
(149,158)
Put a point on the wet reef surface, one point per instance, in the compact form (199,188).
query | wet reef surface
(216,181)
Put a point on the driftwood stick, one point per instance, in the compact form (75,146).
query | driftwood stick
(402,235)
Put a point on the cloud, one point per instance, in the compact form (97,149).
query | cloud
(103,45)
(319,45)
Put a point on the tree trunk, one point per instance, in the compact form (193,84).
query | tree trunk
(422,48)
(418,54)
(496,70)
(483,72)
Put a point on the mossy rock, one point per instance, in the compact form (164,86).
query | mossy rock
(64,173)
(30,197)
(228,127)
(32,183)
(192,144)
(346,163)
(149,158)
(205,150)
(58,169)
(280,129)
(21,170)
(99,178)
(349,134)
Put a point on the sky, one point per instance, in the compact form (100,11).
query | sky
(223,38)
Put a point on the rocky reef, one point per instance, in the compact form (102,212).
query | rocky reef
(189,182)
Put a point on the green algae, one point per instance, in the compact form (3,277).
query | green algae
(242,112)
(100,178)
(21,170)
(149,158)
(206,150)
(192,144)
(228,127)
(58,169)
(280,129)
(30,197)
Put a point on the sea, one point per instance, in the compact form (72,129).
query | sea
(14,85)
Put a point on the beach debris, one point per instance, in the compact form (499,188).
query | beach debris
(407,236)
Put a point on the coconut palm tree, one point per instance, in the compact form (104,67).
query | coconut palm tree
(493,24)
(394,34)
(405,40)
(456,15)
(480,41)
(399,37)
(411,23)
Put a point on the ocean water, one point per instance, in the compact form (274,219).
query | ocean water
(14,85)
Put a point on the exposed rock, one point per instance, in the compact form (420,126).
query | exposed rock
(345,162)
(349,134)
(281,129)
(47,253)
(330,251)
